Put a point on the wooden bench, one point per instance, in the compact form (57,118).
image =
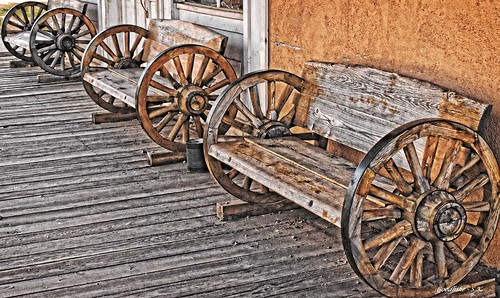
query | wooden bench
(52,36)
(419,209)
(167,76)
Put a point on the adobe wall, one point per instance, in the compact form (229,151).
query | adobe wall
(454,44)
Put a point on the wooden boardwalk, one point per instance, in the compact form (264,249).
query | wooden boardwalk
(82,214)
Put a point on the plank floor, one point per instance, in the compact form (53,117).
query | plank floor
(83,215)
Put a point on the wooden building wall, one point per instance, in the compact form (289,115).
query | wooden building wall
(454,44)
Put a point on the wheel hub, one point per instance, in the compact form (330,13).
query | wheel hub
(65,42)
(273,129)
(439,217)
(193,100)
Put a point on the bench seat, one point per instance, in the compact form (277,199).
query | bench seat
(122,83)
(308,175)
(22,39)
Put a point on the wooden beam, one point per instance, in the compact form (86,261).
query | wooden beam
(237,208)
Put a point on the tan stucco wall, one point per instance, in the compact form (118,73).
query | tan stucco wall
(454,44)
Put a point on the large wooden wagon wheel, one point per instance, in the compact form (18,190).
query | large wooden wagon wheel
(58,40)
(272,117)
(118,47)
(176,92)
(19,19)
(415,223)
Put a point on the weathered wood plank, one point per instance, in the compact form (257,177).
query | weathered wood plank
(294,176)
(167,33)
(344,99)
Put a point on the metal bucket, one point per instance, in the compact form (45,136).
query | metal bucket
(195,157)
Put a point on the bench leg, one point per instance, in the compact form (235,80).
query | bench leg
(20,64)
(98,118)
(47,78)
(237,209)
(165,157)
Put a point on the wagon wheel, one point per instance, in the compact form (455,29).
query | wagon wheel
(415,223)
(272,117)
(118,47)
(176,92)
(19,19)
(58,40)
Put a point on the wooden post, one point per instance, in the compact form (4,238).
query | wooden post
(236,208)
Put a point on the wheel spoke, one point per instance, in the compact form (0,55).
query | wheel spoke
(233,174)
(406,260)
(108,50)
(456,251)
(470,187)
(416,270)
(56,23)
(209,77)
(271,100)
(116,44)
(442,181)
(238,125)
(71,61)
(476,206)
(62,66)
(180,71)
(16,25)
(388,197)
(247,183)
(385,252)
(473,230)
(440,259)
(164,88)
(48,34)
(161,125)
(254,98)
(201,71)
(46,56)
(162,111)
(166,74)
(137,40)
(401,229)
(126,43)
(421,182)
(398,178)
(83,33)
(189,67)
(70,26)
(25,16)
(198,126)
(77,55)
(159,99)
(474,160)
(185,131)
(256,122)
(57,57)
(175,130)
(39,13)
(32,14)
(97,56)
(217,86)
(63,22)
(389,212)
(283,98)
(48,48)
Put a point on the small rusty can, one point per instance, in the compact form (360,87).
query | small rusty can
(195,157)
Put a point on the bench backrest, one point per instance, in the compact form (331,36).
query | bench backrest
(74,4)
(164,34)
(356,106)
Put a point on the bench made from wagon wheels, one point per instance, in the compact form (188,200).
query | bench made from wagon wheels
(53,35)
(167,76)
(416,214)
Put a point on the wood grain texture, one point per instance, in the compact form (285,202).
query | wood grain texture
(287,167)
(357,106)
(74,4)
(167,33)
